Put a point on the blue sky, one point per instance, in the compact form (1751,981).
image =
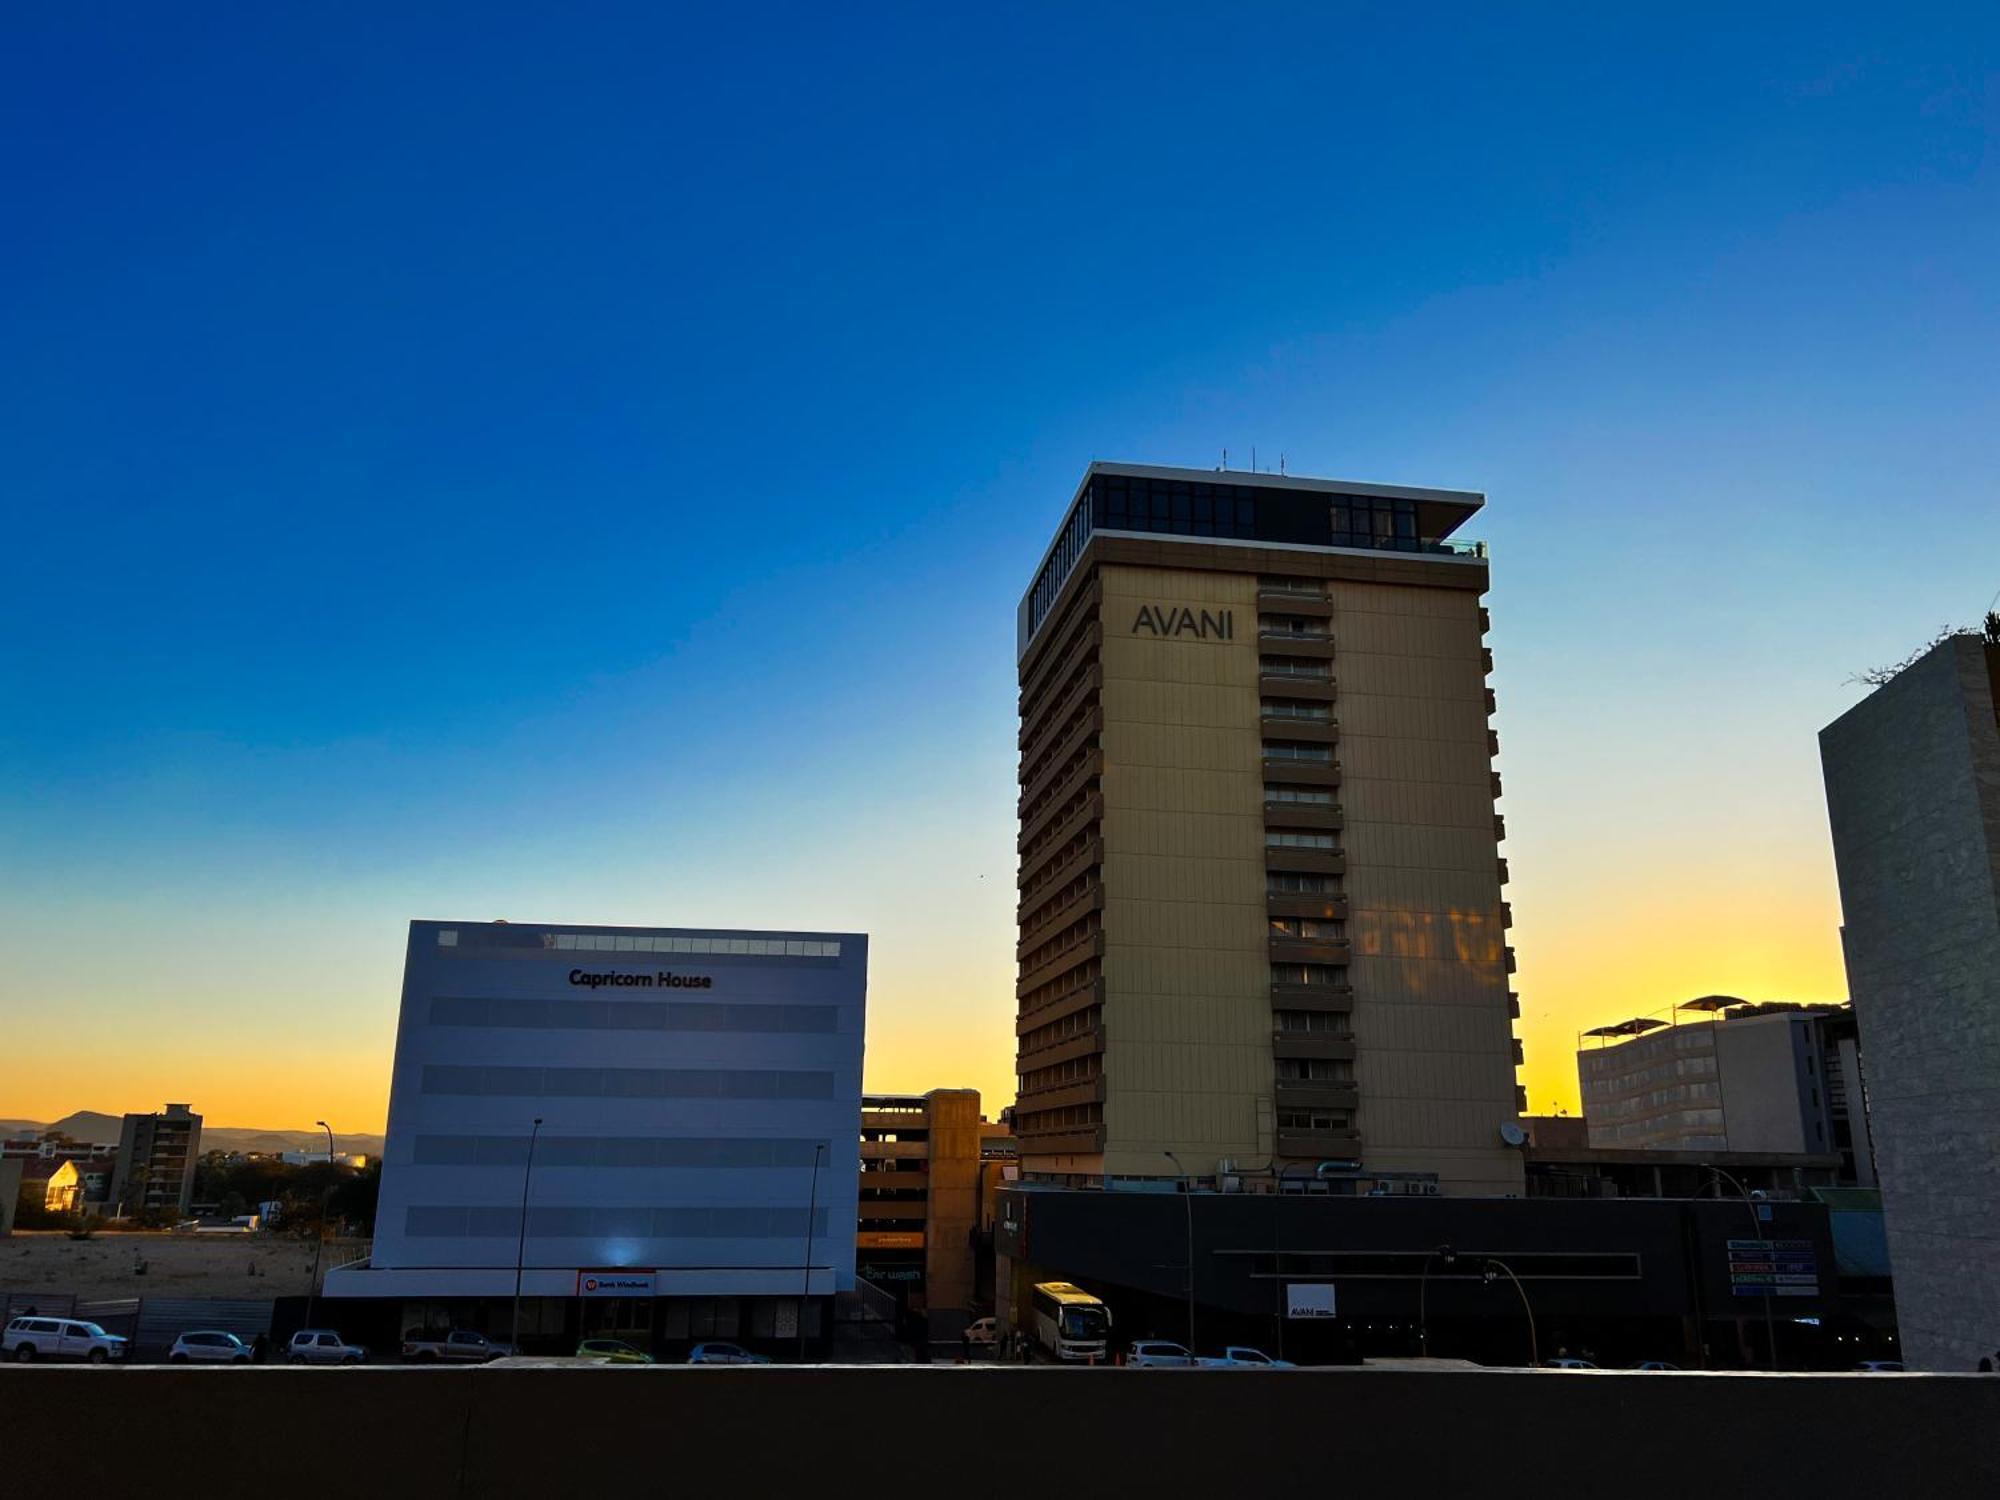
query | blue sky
(581,465)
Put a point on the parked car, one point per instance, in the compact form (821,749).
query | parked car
(1241,1357)
(982,1333)
(460,1346)
(725,1354)
(209,1345)
(1157,1354)
(1567,1363)
(1654,1365)
(612,1352)
(60,1338)
(322,1346)
(1880,1366)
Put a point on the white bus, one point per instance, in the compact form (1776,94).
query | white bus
(1070,1324)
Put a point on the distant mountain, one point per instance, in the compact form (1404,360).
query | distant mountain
(88,1125)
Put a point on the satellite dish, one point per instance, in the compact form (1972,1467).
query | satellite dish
(1513,1134)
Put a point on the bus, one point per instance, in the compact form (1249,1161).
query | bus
(1070,1324)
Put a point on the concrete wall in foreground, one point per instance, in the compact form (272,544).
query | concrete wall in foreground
(668,1430)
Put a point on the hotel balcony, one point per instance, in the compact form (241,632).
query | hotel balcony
(1324,997)
(1276,599)
(1305,861)
(1289,904)
(1306,950)
(1302,772)
(1320,1144)
(1312,1044)
(1312,1093)
(1285,685)
(1307,815)
(1307,731)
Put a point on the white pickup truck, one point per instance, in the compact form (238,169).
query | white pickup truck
(1240,1357)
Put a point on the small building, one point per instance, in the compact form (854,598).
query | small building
(1724,1075)
(922,1170)
(62,1190)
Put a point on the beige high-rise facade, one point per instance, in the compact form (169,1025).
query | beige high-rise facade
(1261,917)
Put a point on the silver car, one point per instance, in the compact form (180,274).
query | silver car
(209,1345)
(322,1346)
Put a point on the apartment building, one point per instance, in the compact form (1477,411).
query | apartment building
(921,1181)
(154,1172)
(1260,908)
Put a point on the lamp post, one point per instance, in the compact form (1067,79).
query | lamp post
(1450,1258)
(1756,1224)
(1494,1267)
(812,1207)
(319,1241)
(1187,1192)
(521,1240)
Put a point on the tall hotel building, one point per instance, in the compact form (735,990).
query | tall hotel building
(1261,917)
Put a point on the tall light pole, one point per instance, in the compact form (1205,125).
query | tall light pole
(1494,1267)
(812,1207)
(1757,1224)
(1450,1258)
(319,1243)
(521,1241)
(1187,1192)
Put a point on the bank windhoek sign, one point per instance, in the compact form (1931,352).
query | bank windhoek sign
(1177,621)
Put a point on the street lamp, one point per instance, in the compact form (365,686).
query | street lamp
(812,1207)
(1496,1268)
(521,1240)
(1187,1191)
(319,1242)
(1450,1258)
(1757,1224)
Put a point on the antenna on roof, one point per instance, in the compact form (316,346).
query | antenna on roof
(1281,463)
(1253,458)
(1225,458)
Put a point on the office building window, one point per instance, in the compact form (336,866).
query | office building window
(1295,708)
(1317,1121)
(1318,976)
(1315,1070)
(1286,883)
(1277,838)
(1315,668)
(1307,754)
(1307,927)
(1375,522)
(1322,1022)
(1309,796)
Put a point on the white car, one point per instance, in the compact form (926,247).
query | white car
(725,1354)
(209,1345)
(1157,1354)
(1241,1357)
(60,1338)
(322,1346)
(982,1333)
(1567,1364)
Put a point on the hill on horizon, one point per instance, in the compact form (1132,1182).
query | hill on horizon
(102,1129)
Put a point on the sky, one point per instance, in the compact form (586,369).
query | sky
(580,463)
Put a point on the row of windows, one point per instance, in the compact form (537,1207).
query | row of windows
(1286,583)
(1315,667)
(615,1151)
(1293,627)
(630,1015)
(1285,883)
(1275,838)
(1296,708)
(1326,1022)
(679,1222)
(1315,1070)
(1318,975)
(1312,796)
(1305,754)
(1068,548)
(1177,507)
(627,1083)
(1307,927)
(1319,1122)
(1374,521)
(646,942)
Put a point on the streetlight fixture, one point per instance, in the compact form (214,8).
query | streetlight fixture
(812,1207)
(319,1240)
(1187,1192)
(521,1240)
(1497,1268)
(1757,1225)
(1450,1258)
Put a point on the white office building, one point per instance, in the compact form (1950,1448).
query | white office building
(695,1160)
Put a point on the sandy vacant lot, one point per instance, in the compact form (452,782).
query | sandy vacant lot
(177,1265)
